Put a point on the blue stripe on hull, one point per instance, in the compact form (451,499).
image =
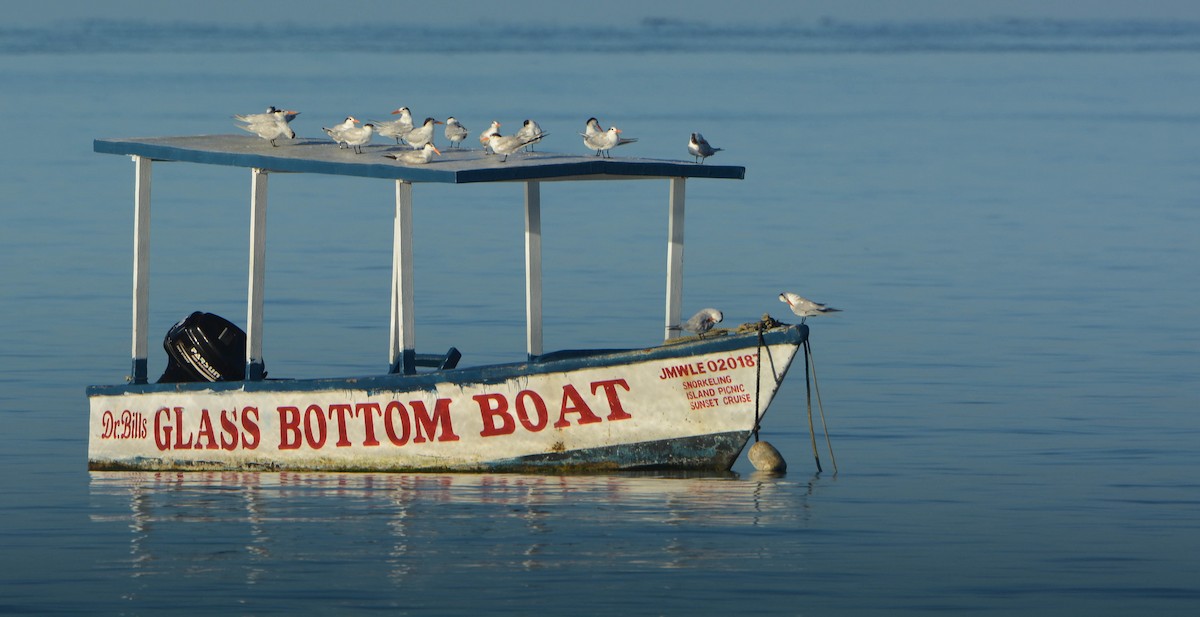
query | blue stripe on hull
(700,453)
(703,452)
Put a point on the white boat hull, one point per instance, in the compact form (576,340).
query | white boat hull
(691,405)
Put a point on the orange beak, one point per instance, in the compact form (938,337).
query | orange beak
(435,149)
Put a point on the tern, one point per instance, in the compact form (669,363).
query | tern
(357,137)
(335,133)
(421,135)
(506,145)
(603,142)
(269,116)
(531,132)
(270,128)
(699,148)
(396,129)
(703,321)
(415,157)
(804,307)
(494,129)
(592,128)
(455,132)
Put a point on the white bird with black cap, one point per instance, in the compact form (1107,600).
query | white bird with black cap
(421,135)
(699,148)
(396,129)
(603,142)
(805,308)
(455,132)
(269,126)
(703,321)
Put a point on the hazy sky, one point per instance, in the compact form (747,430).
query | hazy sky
(614,12)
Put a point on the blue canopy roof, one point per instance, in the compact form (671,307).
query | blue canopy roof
(454,166)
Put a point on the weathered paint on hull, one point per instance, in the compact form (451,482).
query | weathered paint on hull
(704,452)
(685,406)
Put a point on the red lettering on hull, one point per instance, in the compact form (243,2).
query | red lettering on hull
(533,415)
(237,429)
(316,426)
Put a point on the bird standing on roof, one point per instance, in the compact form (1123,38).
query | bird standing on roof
(455,132)
(415,157)
(269,126)
(699,148)
(268,116)
(804,307)
(359,136)
(397,129)
(603,142)
(591,128)
(494,129)
(335,133)
(703,321)
(506,145)
(421,135)
(531,132)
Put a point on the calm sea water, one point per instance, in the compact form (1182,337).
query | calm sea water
(1008,215)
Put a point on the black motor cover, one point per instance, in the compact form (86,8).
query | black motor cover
(204,347)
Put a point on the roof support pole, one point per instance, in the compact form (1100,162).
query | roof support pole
(402,345)
(141,267)
(533,268)
(675,258)
(257,275)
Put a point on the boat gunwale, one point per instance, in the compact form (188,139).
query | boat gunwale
(483,374)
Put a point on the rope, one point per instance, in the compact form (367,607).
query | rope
(760,327)
(821,407)
(758,383)
(808,391)
(810,386)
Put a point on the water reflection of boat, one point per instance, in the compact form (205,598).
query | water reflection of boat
(689,403)
(262,522)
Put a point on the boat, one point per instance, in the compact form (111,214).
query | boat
(687,402)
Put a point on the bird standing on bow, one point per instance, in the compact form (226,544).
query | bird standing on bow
(703,321)
(804,307)
(455,132)
(699,148)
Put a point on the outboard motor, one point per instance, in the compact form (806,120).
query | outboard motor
(204,347)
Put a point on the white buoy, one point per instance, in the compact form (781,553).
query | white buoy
(765,457)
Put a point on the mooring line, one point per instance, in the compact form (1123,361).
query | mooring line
(821,407)
(812,432)
(758,383)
